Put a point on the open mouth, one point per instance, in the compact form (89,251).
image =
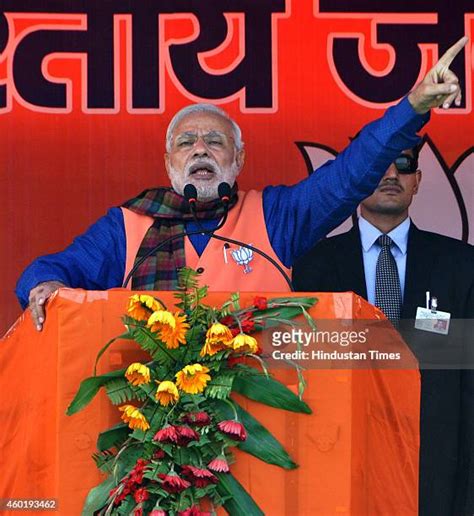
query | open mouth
(202,171)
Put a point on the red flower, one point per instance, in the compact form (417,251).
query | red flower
(197,418)
(200,477)
(118,493)
(167,434)
(159,454)
(233,429)
(172,483)
(180,435)
(138,511)
(219,464)
(260,302)
(136,477)
(158,512)
(228,320)
(194,511)
(141,463)
(248,326)
(141,495)
(186,435)
(234,331)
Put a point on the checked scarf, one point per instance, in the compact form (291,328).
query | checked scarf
(170,211)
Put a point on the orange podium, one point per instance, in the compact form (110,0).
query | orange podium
(357,453)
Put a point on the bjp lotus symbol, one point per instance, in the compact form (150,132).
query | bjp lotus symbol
(243,256)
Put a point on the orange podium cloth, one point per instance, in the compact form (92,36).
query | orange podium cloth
(357,452)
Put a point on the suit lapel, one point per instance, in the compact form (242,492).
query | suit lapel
(420,260)
(349,263)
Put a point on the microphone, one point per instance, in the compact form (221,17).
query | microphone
(190,194)
(224,192)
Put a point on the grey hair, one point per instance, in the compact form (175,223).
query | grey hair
(202,108)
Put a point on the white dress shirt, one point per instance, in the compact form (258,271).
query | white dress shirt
(371,250)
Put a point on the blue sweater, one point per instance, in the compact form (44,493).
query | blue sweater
(296,216)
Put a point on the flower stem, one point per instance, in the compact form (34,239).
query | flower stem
(232,406)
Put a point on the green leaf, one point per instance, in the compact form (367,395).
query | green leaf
(125,335)
(89,388)
(307,302)
(97,497)
(126,458)
(154,468)
(188,278)
(104,460)
(126,507)
(241,502)
(120,391)
(260,442)
(154,414)
(270,392)
(114,436)
(150,343)
(287,309)
(220,386)
(309,320)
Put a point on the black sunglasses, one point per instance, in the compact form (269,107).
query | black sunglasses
(406,164)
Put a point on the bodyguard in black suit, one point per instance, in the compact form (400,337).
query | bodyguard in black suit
(444,267)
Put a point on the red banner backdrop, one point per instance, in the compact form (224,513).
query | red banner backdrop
(88,88)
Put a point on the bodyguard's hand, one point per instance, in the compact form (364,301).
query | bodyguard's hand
(38,298)
(440,87)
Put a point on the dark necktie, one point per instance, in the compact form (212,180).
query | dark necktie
(387,283)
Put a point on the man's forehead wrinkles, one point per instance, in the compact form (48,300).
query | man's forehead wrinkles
(202,133)
(203,121)
(194,135)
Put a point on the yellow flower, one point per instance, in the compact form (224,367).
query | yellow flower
(192,378)
(137,374)
(244,343)
(211,347)
(167,393)
(161,319)
(219,332)
(140,307)
(218,337)
(134,417)
(173,337)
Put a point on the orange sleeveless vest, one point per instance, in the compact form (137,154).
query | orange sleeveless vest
(219,261)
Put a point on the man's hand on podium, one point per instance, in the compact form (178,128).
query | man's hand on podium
(37,300)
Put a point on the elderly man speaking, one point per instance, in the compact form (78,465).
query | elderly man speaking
(204,148)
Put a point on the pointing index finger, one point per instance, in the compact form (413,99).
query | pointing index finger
(448,57)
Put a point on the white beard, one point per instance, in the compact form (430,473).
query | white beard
(206,189)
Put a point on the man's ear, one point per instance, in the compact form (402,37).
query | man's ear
(418,175)
(166,157)
(240,158)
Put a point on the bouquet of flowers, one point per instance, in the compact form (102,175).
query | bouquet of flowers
(171,453)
